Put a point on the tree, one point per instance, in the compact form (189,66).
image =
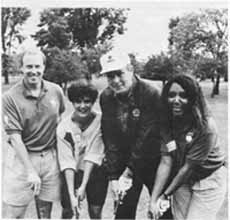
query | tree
(158,67)
(12,20)
(138,66)
(199,34)
(86,31)
(87,26)
(63,66)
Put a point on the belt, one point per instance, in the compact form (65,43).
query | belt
(42,152)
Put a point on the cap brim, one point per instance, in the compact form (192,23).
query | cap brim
(103,72)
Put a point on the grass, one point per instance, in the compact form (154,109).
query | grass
(219,107)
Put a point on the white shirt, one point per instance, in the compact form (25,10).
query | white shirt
(87,145)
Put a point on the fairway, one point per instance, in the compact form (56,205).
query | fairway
(219,108)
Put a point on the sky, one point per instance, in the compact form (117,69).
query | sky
(147,24)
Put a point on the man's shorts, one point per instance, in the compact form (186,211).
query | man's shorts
(17,190)
(96,189)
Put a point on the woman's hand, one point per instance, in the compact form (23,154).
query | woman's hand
(75,206)
(153,212)
(81,193)
(163,204)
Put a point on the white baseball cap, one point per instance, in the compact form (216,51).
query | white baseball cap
(112,62)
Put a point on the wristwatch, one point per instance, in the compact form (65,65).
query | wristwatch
(166,196)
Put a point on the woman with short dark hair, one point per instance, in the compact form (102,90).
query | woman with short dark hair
(80,151)
(191,170)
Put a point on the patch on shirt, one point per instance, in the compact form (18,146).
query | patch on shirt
(189,137)
(136,113)
(171,146)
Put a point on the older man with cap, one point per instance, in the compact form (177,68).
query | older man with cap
(130,126)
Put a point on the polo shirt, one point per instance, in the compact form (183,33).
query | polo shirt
(35,118)
(198,147)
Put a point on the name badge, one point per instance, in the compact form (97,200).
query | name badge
(171,146)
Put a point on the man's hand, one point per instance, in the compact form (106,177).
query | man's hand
(115,189)
(35,182)
(125,183)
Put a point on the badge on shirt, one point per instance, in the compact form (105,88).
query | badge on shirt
(136,113)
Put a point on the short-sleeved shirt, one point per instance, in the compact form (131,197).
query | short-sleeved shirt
(201,148)
(76,146)
(35,118)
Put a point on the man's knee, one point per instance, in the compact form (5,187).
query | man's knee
(11,211)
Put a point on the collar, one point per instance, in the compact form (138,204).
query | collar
(27,92)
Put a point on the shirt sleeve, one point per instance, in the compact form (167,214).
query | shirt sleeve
(65,149)
(202,144)
(12,120)
(95,151)
(113,155)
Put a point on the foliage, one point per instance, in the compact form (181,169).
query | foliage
(91,56)
(12,19)
(199,34)
(63,66)
(9,66)
(138,66)
(81,26)
(202,34)
(158,67)
(86,31)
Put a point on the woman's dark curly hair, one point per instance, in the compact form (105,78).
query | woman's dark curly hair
(198,105)
(80,89)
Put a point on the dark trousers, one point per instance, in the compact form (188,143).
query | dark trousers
(127,210)
(96,190)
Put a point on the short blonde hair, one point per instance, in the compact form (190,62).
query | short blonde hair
(32,52)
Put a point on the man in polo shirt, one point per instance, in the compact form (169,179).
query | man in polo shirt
(130,127)
(31,111)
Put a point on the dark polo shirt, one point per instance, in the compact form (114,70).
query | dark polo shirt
(35,118)
(199,147)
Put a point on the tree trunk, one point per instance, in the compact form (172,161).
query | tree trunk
(216,85)
(226,77)
(6,77)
